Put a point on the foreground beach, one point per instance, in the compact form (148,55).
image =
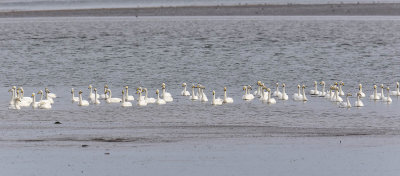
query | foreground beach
(237,10)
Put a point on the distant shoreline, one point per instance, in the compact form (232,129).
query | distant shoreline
(372,9)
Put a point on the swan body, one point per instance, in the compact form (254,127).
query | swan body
(193,97)
(159,101)
(247,96)
(34,104)
(125,103)
(184,91)
(44,105)
(24,101)
(329,95)
(336,97)
(264,95)
(141,102)
(346,104)
(322,93)
(375,95)
(109,99)
(81,101)
(15,104)
(298,96)
(127,96)
(277,93)
(362,94)
(215,101)
(315,91)
(270,99)
(358,102)
(283,95)
(226,98)
(397,92)
(74,99)
(387,99)
(148,100)
(165,95)
(41,98)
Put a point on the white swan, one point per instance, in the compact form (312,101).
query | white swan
(382,95)
(159,101)
(341,93)
(329,95)
(247,96)
(140,97)
(203,95)
(165,95)
(184,91)
(41,98)
(74,99)
(346,104)
(375,95)
(226,98)
(27,100)
(215,101)
(51,95)
(264,95)
(259,89)
(387,99)
(148,100)
(336,97)
(15,105)
(298,96)
(358,103)
(193,96)
(283,95)
(13,96)
(304,93)
(125,103)
(322,93)
(91,94)
(47,91)
(362,94)
(81,101)
(270,99)
(109,99)
(23,102)
(141,102)
(397,92)
(34,104)
(277,93)
(96,98)
(105,95)
(127,96)
(315,91)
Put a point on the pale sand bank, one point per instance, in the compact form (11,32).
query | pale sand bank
(238,10)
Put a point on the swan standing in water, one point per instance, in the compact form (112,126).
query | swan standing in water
(298,96)
(109,99)
(362,94)
(34,104)
(315,91)
(346,104)
(104,96)
(125,103)
(193,96)
(247,96)
(15,104)
(81,101)
(160,101)
(203,95)
(148,100)
(226,98)
(397,92)
(141,102)
(387,99)
(264,95)
(277,93)
(375,95)
(91,94)
(322,93)
(358,103)
(217,101)
(259,89)
(165,95)
(341,93)
(382,95)
(13,96)
(336,97)
(47,91)
(283,95)
(96,100)
(74,99)
(127,96)
(184,91)
(270,99)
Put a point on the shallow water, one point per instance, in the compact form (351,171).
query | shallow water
(60,53)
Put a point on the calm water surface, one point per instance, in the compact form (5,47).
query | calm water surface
(61,53)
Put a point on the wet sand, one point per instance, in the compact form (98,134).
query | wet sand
(237,10)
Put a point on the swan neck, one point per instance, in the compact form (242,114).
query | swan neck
(298,89)
(224,95)
(80,98)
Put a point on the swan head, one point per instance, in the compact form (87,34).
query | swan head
(268,90)
(283,85)
(277,84)
(360,85)
(224,89)
(90,86)
(315,83)
(374,86)
(184,85)
(213,92)
(123,92)
(22,91)
(397,84)
(259,83)
(342,83)
(14,87)
(193,86)
(139,88)
(95,89)
(33,94)
(72,90)
(244,87)
(163,86)
(106,86)
(80,91)
(40,92)
(349,95)
(382,86)
(126,87)
(322,83)
(157,91)
(298,86)
(249,87)
(303,86)
(387,88)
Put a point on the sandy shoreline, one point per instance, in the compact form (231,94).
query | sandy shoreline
(373,9)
